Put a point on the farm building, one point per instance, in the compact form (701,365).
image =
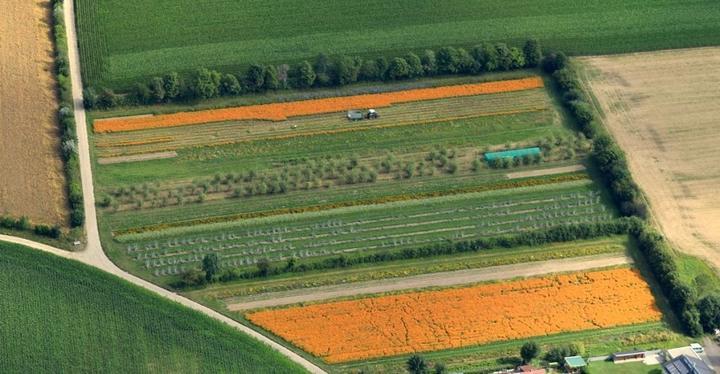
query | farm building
(573,364)
(685,364)
(533,151)
(529,369)
(621,357)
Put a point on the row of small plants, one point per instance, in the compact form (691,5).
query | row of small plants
(325,71)
(500,185)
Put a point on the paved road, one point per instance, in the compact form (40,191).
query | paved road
(712,352)
(443,279)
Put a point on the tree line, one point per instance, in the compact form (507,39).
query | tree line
(23,224)
(66,118)
(324,71)
(696,315)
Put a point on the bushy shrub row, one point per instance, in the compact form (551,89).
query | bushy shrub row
(607,156)
(67,118)
(23,224)
(325,71)
(557,234)
(662,263)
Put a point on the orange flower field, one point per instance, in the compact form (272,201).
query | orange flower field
(434,320)
(281,111)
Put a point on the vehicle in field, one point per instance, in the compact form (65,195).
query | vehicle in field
(358,115)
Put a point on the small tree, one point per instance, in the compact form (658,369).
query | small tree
(210,265)
(346,70)
(230,85)
(398,69)
(322,68)
(447,60)
(382,66)
(263,267)
(529,351)
(439,368)
(533,53)
(90,98)
(429,62)
(416,365)
(304,75)
(142,93)
(486,55)
(157,89)
(107,99)
(416,66)
(206,84)
(172,85)
(271,78)
(709,308)
(255,78)
(505,60)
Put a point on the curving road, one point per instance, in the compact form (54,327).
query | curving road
(93,254)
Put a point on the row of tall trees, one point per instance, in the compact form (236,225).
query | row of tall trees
(324,71)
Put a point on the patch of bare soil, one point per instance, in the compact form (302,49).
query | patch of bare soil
(31,176)
(664,110)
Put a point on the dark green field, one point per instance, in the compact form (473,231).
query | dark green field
(64,317)
(123,41)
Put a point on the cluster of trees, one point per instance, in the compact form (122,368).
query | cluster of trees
(23,224)
(325,71)
(557,234)
(607,155)
(67,119)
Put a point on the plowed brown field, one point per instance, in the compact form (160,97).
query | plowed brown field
(664,110)
(31,178)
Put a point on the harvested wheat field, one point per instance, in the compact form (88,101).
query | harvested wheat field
(664,110)
(282,111)
(31,177)
(433,320)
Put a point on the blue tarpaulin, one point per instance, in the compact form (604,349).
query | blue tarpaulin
(534,151)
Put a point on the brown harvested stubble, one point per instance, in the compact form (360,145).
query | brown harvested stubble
(32,182)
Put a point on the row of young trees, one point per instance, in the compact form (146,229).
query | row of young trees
(67,118)
(325,71)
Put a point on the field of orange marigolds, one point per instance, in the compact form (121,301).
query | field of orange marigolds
(282,111)
(368,328)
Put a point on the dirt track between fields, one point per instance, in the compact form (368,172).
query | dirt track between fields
(444,279)
(32,184)
(664,110)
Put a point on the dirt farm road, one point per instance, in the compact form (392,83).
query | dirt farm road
(443,279)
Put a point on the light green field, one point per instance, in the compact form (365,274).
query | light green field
(62,316)
(123,41)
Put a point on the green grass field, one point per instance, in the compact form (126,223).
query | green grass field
(123,41)
(603,367)
(62,316)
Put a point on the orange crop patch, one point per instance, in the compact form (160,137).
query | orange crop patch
(281,111)
(426,321)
